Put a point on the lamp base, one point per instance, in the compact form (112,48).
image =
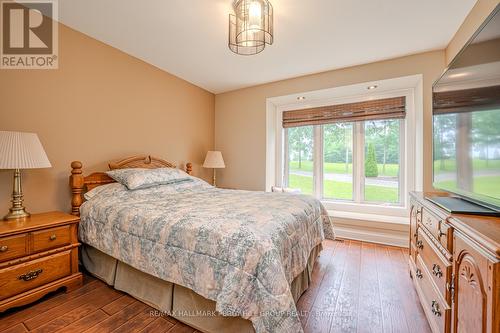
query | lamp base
(17,214)
(17,211)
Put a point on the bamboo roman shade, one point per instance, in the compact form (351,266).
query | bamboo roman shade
(387,108)
(466,100)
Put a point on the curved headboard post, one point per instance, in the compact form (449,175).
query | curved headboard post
(77,182)
(189,168)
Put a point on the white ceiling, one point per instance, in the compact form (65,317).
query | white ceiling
(188,38)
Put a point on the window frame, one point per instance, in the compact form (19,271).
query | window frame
(408,169)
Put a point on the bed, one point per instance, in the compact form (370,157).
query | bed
(218,260)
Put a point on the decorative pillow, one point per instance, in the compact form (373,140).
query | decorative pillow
(137,178)
(99,189)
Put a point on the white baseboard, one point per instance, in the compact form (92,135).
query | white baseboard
(388,234)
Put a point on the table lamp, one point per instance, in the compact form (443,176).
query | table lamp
(214,161)
(18,151)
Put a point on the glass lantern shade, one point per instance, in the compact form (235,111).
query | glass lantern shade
(251,26)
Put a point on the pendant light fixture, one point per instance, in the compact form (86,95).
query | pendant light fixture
(251,26)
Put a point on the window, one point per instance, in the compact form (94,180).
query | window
(337,161)
(300,158)
(356,161)
(382,161)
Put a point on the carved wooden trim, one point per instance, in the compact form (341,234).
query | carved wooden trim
(143,161)
(79,183)
(468,275)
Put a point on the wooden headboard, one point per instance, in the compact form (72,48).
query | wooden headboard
(80,184)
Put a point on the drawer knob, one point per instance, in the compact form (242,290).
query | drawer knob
(436,270)
(435,309)
(52,237)
(31,275)
(420,244)
(4,248)
(441,234)
(418,273)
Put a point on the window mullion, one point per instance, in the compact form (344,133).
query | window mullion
(402,163)
(286,160)
(358,162)
(362,161)
(318,161)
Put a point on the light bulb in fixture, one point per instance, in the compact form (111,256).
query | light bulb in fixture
(255,15)
(372,87)
(301,98)
(255,9)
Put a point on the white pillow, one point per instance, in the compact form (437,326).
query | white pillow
(97,190)
(137,178)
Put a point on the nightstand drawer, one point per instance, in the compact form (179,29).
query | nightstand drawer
(13,247)
(19,278)
(51,238)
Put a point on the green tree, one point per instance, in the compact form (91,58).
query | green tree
(371,169)
(444,138)
(300,143)
(485,132)
(384,134)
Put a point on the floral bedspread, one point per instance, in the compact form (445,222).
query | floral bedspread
(241,249)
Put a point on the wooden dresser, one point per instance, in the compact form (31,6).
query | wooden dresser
(455,266)
(37,255)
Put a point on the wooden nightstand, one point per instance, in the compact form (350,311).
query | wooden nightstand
(37,255)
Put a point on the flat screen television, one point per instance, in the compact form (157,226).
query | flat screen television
(466,125)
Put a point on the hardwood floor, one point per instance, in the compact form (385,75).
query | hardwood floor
(356,287)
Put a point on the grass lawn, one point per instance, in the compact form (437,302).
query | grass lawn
(488,185)
(343,190)
(391,170)
(477,164)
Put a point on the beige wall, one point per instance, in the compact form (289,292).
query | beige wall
(472,22)
(240,116)
(100,105)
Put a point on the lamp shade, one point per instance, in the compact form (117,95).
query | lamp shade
(214,160)
(20,150)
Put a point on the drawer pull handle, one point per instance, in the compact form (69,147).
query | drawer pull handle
(436,270)
(52,237)
(435,309)
(418,273)
(420,244)
(4,248)
(441,234)
(31,275)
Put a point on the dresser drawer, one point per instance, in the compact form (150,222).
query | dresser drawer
(19,278)
(437,228)
(436,308)
(13,247)
(438,266)
(50,238)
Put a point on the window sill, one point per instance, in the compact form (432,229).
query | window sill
(369,217)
